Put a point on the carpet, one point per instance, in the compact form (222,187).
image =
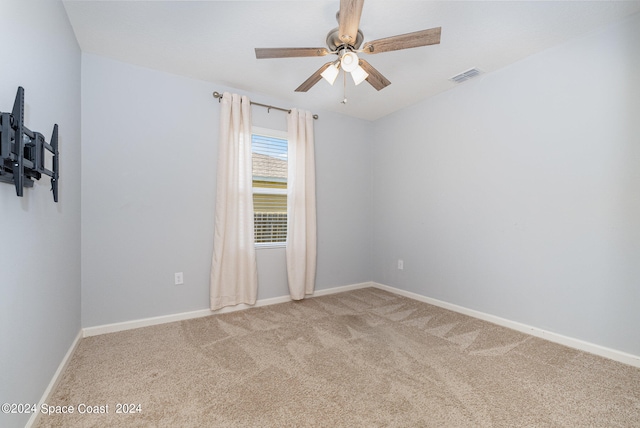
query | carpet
(362,358)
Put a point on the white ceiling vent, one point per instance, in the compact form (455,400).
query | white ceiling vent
(465,75)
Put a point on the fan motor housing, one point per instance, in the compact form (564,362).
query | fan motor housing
(333,40)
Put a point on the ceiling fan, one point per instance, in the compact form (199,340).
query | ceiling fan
(346,42)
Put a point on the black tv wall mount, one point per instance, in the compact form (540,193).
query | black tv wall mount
(22,151)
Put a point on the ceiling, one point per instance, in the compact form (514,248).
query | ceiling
(215,40)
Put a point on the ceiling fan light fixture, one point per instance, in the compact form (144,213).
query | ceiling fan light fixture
(349,61)
(359,75)
(331,73)
(345,42)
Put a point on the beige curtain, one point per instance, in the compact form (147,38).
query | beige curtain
(301,205)
(234,277)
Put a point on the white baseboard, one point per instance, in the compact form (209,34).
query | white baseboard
(612,354)
(342,288)
(56,378)
(146,322)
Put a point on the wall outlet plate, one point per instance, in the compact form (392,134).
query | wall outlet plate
(179,278)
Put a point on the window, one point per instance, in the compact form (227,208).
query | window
(269,154)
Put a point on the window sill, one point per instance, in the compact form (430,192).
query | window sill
(267,245)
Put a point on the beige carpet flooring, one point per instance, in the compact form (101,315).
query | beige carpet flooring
(363,358)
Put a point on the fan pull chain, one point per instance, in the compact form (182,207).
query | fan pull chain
(344,87)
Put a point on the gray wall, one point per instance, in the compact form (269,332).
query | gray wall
(40,250)
(518,194)
(149,156)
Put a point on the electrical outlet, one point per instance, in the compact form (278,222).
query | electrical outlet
(400,264)
(179,279)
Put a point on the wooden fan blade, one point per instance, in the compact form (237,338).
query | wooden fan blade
(404,41)
(313,79)
(376,79)
(349,20)
(262,53)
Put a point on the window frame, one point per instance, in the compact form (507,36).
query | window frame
(282,135)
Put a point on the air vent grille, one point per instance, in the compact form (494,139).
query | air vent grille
(465,75)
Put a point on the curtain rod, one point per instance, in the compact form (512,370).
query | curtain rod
(219,95)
